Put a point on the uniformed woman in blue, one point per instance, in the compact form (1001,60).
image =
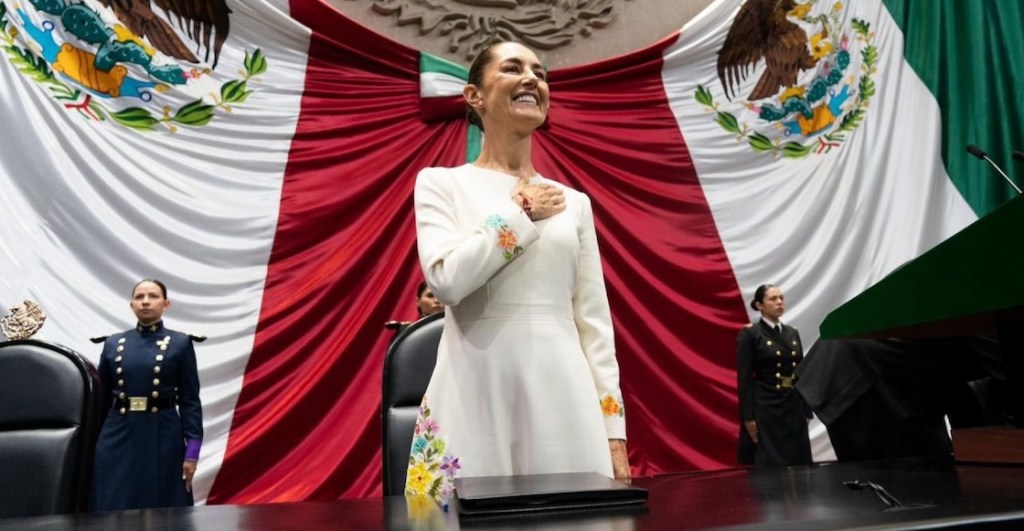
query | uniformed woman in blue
(773,415)
(149,444)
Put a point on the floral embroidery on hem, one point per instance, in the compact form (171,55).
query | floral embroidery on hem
(431,471)
(612,406)
(508,242)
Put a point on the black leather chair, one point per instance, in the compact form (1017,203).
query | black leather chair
(49,421)
(407,368)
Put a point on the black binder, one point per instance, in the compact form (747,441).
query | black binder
(497,495)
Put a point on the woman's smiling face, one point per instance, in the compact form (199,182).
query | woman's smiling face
(514,90)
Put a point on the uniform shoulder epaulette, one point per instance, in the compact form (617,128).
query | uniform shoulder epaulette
(99,339)
(195,337)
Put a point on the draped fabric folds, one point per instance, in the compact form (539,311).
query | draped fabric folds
(966,53)
(343,262)
(611,134)
(273,193)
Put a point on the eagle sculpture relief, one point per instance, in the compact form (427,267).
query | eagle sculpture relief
(762,29)
(202,19)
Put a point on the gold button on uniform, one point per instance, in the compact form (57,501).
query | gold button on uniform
(120,383)
(121,395)
(156,381)
(156,394)
(122,411)
(117,359)
(159,357)
(156,369)
(154,410)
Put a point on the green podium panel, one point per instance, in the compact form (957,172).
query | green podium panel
(964,286)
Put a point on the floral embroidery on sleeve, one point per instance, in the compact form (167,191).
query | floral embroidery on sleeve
(612,406)
(508,242)
(431,471)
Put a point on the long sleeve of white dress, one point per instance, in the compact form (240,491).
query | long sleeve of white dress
(456,265)
(594,322)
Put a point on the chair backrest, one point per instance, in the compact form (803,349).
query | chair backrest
(49,420)
(407,368)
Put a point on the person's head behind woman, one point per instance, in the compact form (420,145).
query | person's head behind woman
(149,300)
(426,302)
(768,300)
(507,88)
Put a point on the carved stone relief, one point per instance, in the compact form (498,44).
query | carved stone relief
(591,30)
(470,25)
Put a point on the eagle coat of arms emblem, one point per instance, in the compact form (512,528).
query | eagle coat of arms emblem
(813,75)
(134,62)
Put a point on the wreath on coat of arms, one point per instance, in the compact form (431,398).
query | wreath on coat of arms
(782,115)
(120,60)
(24,320)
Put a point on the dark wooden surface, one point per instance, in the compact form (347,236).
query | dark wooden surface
(989,444)
(933,492)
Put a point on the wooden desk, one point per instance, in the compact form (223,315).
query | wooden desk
(934,491)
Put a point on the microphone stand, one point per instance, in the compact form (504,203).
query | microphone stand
(977,152)
(1003,174)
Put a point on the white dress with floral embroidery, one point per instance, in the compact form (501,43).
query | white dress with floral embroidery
(526,380)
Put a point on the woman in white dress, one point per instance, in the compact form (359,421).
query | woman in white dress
(526,380)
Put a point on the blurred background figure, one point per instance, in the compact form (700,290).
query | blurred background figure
(426,303)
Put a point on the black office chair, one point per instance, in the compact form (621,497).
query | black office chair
(49,421)
(407,368)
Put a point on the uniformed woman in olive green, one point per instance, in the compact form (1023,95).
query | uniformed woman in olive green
(773,416)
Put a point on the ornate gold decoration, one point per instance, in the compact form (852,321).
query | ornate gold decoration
(24,320)
(540,24)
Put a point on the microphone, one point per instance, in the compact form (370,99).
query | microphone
(977,152)
(1019,155)
(879,491)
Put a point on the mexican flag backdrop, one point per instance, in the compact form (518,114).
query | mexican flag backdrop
(267,179)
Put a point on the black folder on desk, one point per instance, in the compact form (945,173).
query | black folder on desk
(543,492)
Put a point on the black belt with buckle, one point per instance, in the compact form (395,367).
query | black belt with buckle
(143,403)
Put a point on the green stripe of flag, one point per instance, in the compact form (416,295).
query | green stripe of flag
(438,65)
(968,53)
(432,64)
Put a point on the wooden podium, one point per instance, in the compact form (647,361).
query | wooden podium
(991,444)
(972,284)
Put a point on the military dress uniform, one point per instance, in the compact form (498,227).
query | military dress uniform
(766,361)
(154,419)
